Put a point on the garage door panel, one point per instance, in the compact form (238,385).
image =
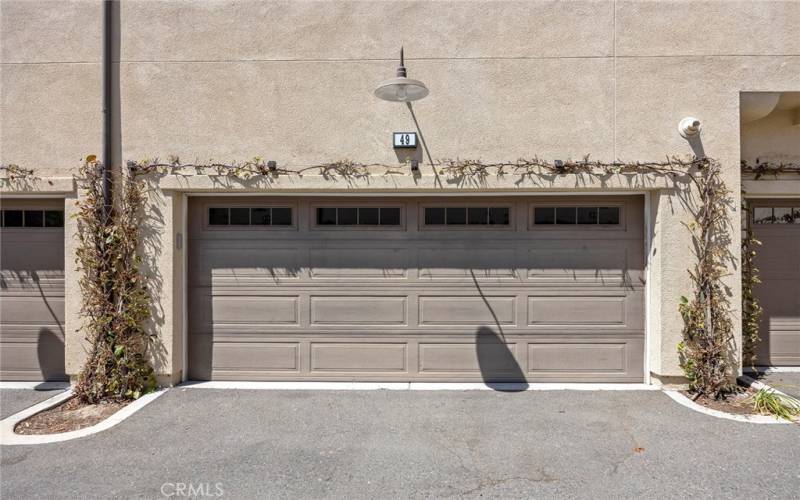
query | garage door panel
(447,310)
(257,310)
(253,265)
(571,310)
(418,303)
(496,359)
(591,263)
(358,357)
(607,359)
(785,346)
(774,261)
(478,262)
(358,310)
(359,263)
(17,309)
(253,356)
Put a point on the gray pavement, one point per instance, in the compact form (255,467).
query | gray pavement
(14,400)
(784,382)
(390,444)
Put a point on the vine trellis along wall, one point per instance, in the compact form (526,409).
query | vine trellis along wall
(117,366)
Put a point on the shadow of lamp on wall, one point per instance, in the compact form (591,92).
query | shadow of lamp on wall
(690,128)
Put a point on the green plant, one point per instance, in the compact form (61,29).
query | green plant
(115,299)
(770,402)
(751,309)
(706,351)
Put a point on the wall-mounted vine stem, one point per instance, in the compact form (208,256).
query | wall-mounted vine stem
(760,169)
(118,364)
(14,172)
(115,298)
(707,349)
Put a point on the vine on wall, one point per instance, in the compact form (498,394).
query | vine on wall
(760,169)
(707,349)
(14,172)
(116,301)
(751,309)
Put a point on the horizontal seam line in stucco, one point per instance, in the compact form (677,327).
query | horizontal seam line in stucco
(487,58)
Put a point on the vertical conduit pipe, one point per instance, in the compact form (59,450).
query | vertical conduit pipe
(107,68)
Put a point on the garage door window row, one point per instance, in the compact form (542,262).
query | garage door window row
(576,215)
(358,216)
(776,215)
(32,218)
(250,216)
(472,216)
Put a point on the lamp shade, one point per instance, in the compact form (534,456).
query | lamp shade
(401,89)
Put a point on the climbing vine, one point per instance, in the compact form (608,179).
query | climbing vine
(15,172)
(751,309)
(116,301)
(759,169)
(707,349)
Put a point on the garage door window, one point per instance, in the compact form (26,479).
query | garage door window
(250,216)
(776,215)
(576,215)
(358,216)
(32,218)
(467,216)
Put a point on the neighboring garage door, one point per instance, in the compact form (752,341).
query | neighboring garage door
(32,290)
(428,289)
(776,223)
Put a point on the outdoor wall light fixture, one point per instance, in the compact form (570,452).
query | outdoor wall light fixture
(400,88)
(272,165)
(415,165)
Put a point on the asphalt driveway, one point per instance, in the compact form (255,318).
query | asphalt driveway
(386,444)
(14,400)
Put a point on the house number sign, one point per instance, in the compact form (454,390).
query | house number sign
(405,139)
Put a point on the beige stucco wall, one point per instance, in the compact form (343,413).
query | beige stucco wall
(292,82)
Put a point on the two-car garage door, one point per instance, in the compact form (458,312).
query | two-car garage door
(428,289)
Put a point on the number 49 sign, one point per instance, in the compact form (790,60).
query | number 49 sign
(405,139)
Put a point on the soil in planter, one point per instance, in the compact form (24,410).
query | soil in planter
(70,415)
(737,403)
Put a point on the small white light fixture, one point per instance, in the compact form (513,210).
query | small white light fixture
(689,127)
(401,89)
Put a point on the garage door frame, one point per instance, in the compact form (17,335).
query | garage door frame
(184,241)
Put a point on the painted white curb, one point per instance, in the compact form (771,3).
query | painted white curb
(9,437)
(773,369)
(751,419)
(39,386)
(414,386)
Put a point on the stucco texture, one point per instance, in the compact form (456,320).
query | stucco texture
(292,82)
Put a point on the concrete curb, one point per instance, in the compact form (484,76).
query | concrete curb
(39,386)
(750,419)
(414,386)
(9,438)
(773,369)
